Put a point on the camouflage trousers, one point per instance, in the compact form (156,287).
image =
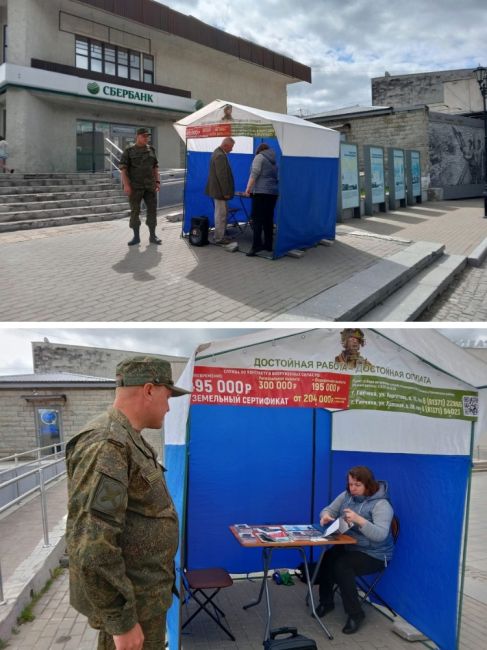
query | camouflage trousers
(150,200)
(154,635)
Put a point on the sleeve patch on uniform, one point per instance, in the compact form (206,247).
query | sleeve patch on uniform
(109,496)
(153,476)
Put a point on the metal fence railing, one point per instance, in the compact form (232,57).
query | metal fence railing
(480,452)
(27,477)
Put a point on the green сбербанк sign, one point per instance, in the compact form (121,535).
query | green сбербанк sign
(124,93)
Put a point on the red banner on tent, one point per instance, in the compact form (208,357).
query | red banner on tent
(256,387)
(209,131)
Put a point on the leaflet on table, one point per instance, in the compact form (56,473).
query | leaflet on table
(244,531)
(271,534)
(300,531)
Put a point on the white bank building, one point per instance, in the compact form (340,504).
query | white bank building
(77,75)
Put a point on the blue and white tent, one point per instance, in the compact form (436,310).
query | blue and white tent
(307,155)
(276,419)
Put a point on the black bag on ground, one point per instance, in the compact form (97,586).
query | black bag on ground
(301,574)
(293,641)
(198,235)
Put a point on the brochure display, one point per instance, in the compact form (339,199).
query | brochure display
(374,179)
(349,188)
(397,179)
(413,176)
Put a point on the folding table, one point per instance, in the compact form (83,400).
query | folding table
(300,545)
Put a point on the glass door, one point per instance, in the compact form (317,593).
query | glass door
(49,429)
(90,146)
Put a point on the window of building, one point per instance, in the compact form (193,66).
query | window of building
(116,61)
(148,68)
(4,39)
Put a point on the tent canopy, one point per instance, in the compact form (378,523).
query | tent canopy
(296,137)
(276,419)
(308,156)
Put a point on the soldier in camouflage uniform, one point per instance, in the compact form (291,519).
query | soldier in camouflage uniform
(352,339)
(140,176)
(122,528)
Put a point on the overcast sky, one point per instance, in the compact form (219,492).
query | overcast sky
(347,42)
(16,351)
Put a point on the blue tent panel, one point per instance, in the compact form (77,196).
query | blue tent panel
(306,210)
(322,494)
(428,495)
(246,465)
(175,460)
(308,196)
(196,202)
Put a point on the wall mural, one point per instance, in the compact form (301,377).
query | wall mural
(456,155)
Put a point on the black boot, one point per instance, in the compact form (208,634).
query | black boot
(153,238)
(353,623)
(136,238)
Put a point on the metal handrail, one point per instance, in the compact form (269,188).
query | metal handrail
(35,450)
(42,465)
(111,155)
(114,145)
(24,475)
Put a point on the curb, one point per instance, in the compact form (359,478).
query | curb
(30,576)
(478,255)
(351,299)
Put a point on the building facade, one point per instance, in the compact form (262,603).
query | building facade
(76,74)
(45,409)
(70,385)
(444,91)
(451,146)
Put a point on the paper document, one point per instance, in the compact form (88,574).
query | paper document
(336,527)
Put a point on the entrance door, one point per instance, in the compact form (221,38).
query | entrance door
(90,146)
(93,147)
(122,135)
(49,430)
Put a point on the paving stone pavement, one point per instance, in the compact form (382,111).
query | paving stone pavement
(15,544)
(457,224)
(87,273)
(57,626)
(464,300)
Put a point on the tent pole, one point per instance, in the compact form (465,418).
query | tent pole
(465,536)
(184,184)
(313,474)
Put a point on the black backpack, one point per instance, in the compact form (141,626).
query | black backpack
(293,641)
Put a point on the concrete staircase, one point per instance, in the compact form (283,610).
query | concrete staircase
(43,200)
(397,288)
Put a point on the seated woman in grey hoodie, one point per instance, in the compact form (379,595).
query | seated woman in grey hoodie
(365,506)
(263,187)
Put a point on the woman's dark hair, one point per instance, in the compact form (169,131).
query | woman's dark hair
(365,476)
(262,147)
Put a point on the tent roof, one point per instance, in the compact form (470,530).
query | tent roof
(296,136)
(427,344)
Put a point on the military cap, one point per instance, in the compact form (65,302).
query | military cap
(140,370)
(355,332)
(142,130)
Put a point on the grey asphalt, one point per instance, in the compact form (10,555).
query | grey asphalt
(59,627)
(87,273)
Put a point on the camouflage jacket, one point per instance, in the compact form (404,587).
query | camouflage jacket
(139,163)
(122,528)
